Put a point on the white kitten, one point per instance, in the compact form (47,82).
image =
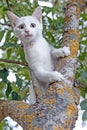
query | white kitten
(39,55)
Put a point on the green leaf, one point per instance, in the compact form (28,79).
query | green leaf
(83,104)
(18,81)
(8,35)
(84,16)
(9,45)
(15,96)
(2,34)
(9,89)
(83,93)
(9,53)
(24,93)
(4,74)
(3,125)
(84,116)
(82,56)
(21,53)
(84,74)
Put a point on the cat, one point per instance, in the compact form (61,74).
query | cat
(39,55)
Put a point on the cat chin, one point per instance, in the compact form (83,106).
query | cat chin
(28,35)
(27,39)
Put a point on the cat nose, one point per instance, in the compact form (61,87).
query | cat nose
(27,31)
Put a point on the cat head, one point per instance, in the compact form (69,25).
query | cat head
(27,28)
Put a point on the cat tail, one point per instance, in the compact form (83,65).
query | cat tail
(32,95)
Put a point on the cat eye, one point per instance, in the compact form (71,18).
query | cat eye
(21,26)
(33,25)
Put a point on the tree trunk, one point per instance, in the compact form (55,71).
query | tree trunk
(57,110)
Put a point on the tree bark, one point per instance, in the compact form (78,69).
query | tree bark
(57,110)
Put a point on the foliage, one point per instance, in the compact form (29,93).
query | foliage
(81,75)
(84,107)
(12,49)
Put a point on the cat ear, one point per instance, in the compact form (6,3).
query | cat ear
(12,17)
(38,14)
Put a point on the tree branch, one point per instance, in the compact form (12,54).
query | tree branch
(13,62)
(44,114)
(8,4)
(67,65)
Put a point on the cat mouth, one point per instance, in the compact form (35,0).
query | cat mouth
(28,35)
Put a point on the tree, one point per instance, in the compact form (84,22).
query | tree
(58,108)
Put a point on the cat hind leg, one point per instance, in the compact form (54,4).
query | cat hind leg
(48,76)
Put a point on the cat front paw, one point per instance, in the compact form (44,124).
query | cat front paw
(58,76)
(65,51)
(61,52)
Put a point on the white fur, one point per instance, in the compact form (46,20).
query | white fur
(39,55)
